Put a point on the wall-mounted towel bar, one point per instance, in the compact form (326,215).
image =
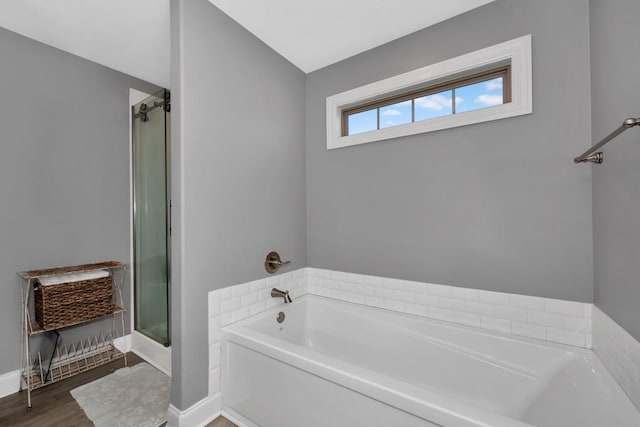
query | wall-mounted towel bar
(591,156)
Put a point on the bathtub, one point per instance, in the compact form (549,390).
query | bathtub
(332,363)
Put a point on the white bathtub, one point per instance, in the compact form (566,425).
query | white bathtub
(332,363)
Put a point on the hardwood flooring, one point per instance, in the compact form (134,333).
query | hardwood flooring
(53,405)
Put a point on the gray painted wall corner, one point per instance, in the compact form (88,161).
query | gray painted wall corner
(177,202)
(616,194)
(241,182)
(64,172)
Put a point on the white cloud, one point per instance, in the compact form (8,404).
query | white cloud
(459,100)
(390,123)
(494,84)
(434,102)
(391,112)
(489,100)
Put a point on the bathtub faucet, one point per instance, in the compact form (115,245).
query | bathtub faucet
(276,293)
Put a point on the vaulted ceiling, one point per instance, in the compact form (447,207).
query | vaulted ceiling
(134,37)
(315,33)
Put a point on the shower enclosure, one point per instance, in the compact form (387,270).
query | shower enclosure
(152,216)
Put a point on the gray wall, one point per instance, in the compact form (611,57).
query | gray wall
(616,183)
(238,176)
(64,170)
(498,205)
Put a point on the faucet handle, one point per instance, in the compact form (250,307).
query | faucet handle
(273,262)
(278,262)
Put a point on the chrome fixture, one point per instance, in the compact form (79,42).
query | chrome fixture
(277,293)
(145,109)
(273,262)
(590,157)
(596,158)
(280,317)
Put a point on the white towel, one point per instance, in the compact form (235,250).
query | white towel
(76,277)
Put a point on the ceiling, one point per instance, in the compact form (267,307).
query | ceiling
(129,36)
(134,37)
(315,33)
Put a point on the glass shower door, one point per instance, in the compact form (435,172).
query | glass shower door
(151,196)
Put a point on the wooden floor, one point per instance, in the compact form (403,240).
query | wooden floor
(53,405)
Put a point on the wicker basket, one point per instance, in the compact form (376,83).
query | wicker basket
(66,304)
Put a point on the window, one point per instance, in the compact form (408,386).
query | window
(488,84)
(481,90)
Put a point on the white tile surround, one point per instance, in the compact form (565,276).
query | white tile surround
(233,303)
(619,352)
(565,322)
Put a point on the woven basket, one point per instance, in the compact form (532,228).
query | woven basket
(66,304)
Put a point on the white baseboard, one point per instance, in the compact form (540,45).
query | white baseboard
(236,418)
(123,343)
(9,383)
(198,415)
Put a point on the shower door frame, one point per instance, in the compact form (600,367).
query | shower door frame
(151,351)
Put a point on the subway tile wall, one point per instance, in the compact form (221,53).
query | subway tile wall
(619,352)
(565,322)
(234,303)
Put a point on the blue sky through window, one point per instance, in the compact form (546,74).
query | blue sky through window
(479,95)
(467,98)
(396,114)
(436,105)
(363,122)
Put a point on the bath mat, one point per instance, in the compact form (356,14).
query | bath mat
(134,396)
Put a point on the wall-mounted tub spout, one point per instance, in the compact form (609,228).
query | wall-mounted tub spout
(277,293)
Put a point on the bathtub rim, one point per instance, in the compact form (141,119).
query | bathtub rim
(292,354)
(577,350)
(420,402)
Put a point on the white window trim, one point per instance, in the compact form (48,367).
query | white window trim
(517,52)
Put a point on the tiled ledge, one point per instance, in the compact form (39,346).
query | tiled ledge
(565,322)
(619,352)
